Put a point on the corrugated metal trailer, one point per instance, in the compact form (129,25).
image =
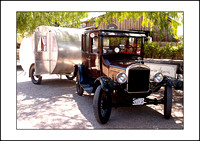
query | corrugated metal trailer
(51,50)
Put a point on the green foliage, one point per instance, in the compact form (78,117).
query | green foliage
(28,21)
(161,20)
(180,50)
(153,50)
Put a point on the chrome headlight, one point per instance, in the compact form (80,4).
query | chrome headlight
(121,78)
(158,77)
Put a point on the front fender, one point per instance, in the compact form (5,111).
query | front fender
(107,84)
(170,81)
(177,84)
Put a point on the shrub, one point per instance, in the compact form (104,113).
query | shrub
(153,50)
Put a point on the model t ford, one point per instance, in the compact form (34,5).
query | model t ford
(113,69)
(108,63)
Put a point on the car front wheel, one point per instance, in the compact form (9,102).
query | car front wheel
(102,105)
(167,101)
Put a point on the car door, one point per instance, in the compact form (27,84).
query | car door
(90,55)
(85,50)
(94,56)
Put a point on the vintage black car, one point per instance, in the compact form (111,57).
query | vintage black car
(113,69)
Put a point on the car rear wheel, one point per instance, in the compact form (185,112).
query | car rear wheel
(36,79)
(102,105)
(167,101)
(79,89)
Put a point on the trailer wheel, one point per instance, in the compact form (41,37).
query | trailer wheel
(79,89)
(102,105)
(167,101)
(36,79)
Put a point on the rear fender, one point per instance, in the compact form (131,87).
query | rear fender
(75,70)
(80,71)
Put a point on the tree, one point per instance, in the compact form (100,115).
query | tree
(161,20)
(28,21)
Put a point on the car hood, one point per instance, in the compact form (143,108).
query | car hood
(122,63)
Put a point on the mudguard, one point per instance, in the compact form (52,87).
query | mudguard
(80,71)
(177,84)
(85,76)
(107,84)
(172,82)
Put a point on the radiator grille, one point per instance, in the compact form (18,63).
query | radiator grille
(138,80)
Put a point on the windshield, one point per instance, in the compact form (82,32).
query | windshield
(125,45)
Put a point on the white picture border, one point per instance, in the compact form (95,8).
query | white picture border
(8,70)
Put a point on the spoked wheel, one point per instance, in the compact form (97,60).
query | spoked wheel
(36,79)
(102,105)
(167,101)
(79,89)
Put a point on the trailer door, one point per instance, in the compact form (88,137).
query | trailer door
(42,49)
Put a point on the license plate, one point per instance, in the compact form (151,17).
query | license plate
(138,101)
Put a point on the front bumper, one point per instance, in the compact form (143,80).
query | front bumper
(122,89)
(111,86)
(121,97)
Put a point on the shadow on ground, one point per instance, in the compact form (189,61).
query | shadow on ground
(55,105)
(136,117)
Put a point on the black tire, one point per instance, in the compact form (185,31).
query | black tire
(35,79)
(79,89)
(167,101)
(102,104)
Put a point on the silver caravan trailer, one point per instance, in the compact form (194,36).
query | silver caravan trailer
(51,50)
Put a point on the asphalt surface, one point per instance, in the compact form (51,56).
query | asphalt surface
(55,105)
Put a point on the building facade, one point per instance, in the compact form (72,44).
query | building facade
(128,24)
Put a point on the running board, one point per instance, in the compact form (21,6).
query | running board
(87,88)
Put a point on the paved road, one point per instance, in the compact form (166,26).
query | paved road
(55,105)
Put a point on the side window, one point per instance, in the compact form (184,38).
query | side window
(87,42)
(95,45)
(42,43)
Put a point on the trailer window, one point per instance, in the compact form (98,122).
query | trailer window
(42,43)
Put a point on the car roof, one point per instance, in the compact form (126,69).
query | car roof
(114,32)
